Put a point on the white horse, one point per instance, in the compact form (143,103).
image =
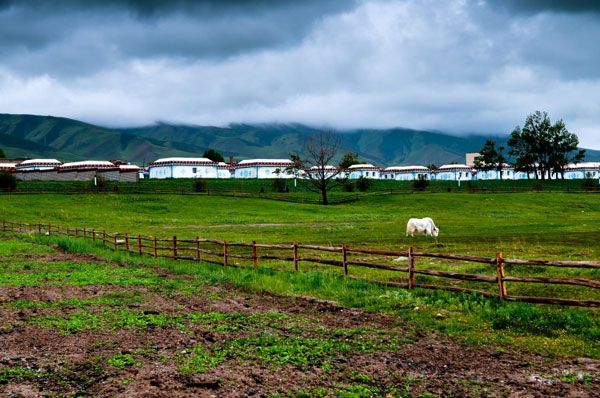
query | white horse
(422,226)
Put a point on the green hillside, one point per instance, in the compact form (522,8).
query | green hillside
(69,140)
(66,139)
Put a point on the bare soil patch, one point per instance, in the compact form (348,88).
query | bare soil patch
(38,359)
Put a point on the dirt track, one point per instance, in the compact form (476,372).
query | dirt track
(54,363)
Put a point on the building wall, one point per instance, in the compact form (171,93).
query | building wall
(183,171)
(262,172)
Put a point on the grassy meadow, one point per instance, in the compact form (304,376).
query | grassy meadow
(539,225)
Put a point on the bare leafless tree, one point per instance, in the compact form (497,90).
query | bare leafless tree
(320,151)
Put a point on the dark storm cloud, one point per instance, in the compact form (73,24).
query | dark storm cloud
(450,65)
(557,6)
(63,37)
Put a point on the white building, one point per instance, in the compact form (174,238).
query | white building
(582,170)
(7,167)
(223,170)
(454,172)
(365,170)
(329,171)
(264,168)
(508,173)
(183,168)
(87,165)
(405,173)
(38,164)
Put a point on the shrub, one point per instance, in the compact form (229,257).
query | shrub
(200,185)
(590,183)
(348,185)
(364,184)
(420,183)
(279,185)
(8,182)
(99,184)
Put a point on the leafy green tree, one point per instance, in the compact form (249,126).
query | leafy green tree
(565,151)
(543,148)
(491,157)
(2,156)
(213,155)
(349,159)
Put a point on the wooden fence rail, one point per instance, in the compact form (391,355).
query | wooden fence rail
(221,252)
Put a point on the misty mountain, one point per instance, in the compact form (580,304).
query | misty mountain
(68,140)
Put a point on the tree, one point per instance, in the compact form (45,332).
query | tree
(491,158)
(320,150)
(213,155)
(543,148)
(8,182)
(2,156)
(564,148)
(349,159)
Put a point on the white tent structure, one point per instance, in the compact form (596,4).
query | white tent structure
(183,168)
(264,168)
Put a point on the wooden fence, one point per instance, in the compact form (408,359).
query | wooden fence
(196,250)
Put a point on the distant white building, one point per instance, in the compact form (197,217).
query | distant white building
(264,168)
(183,168)
(582,170)
(328,171)
(7,167)
(405,173)
(223,170)
(508,173)
(454,172)
(365,170)
(87,165)
(38,164)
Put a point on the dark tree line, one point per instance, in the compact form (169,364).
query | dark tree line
(540,148)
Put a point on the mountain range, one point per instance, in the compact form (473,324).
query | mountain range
(31,136)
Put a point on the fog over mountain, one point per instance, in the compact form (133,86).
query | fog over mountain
(459,66)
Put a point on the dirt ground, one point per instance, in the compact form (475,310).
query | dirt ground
(38,361)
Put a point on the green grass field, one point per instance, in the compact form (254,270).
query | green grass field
(524,225)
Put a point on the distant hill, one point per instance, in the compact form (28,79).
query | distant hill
(67,140)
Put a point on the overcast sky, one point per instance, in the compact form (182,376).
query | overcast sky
(464,66)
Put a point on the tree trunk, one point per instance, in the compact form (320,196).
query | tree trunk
(324,195)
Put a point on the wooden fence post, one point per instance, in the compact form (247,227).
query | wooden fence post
(94,235)
(76,232)
(345,258)
(115,241)
(174,246)
(254,255)
(139,239)
(295,251)
(126,241)
(411,268)
(225,253)
(500,267)
(197,248)
(155,250)
(39,226)
(57,229)
(49,229)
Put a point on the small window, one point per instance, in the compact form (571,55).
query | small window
(194,170)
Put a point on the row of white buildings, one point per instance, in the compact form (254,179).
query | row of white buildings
(283,168)
(55,170)
(52,169)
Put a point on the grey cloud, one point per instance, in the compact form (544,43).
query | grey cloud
(59,37)
(556,6)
